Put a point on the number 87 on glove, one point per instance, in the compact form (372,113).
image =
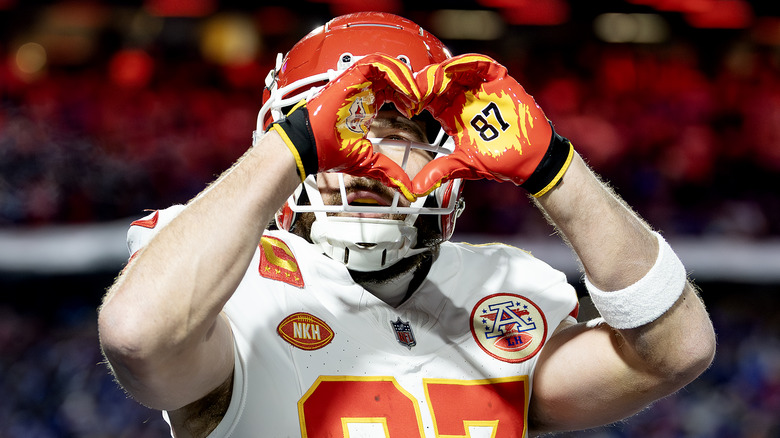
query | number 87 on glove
(500,132)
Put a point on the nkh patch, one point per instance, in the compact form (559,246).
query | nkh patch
(508,327)
(403,333)
(305,331)
(277,262)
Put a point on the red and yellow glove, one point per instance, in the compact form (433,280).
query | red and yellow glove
(328,133)
(500,132)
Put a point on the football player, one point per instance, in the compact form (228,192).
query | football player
(355,315)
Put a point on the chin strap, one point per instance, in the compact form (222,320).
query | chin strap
(362,244)
(365,244)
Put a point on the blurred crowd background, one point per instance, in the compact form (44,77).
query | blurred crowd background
(110,108)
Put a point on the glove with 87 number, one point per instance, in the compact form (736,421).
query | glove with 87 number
(500,132)
(328,133)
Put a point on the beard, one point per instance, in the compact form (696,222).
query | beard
(428,236)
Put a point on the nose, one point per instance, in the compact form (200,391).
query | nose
(394,152)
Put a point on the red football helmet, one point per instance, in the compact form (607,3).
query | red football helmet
(329,49)
(321,56)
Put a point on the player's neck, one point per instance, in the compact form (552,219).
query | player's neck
(396,290)
(393,291)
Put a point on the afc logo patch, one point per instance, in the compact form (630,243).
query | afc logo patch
(508,327)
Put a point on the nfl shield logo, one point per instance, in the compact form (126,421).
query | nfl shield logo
(403,333)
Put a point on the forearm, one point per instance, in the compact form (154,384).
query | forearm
(621,370)
(168,299)
(616,249)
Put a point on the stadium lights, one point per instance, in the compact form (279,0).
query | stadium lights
(467,25)
(721,14)
(631,28)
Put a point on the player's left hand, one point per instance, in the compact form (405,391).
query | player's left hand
(328,133)
(500,132)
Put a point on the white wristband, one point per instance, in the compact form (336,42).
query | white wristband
(647,299)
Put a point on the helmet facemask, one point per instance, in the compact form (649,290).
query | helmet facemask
(368,236)
(373,237)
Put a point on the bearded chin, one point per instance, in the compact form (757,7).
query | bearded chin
(428,236)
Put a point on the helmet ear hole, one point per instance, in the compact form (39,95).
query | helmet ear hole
(345,60)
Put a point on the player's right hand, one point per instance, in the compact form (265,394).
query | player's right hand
(328,132)
(500,132)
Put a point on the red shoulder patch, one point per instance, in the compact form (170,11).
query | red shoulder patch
(277,262)
(305,331)
(148,222)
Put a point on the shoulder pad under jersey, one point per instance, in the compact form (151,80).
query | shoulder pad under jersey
(142,230)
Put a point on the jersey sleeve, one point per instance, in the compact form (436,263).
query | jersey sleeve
(143,230)
(544,284)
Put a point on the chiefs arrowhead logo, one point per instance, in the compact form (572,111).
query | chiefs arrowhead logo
(508,327)
(360,116)
(305,331)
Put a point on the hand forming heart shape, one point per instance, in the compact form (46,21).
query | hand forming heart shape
(500,132)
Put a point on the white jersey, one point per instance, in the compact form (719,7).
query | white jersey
(318,355)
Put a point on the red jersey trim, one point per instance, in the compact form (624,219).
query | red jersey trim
(576,311)
(148,223)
